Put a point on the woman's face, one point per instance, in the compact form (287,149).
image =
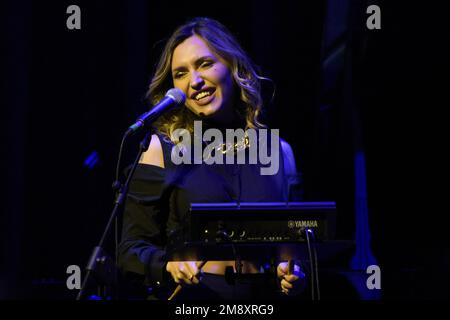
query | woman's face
(204,78)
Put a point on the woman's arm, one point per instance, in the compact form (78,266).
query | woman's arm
(143,237)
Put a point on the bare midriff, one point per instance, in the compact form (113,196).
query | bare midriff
(218,267)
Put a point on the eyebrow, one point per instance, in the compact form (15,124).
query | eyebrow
(197,62)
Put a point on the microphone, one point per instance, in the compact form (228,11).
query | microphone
(174,97)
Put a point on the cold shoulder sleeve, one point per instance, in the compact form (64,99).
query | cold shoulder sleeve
(141,250)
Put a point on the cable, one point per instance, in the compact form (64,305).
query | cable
(118,162)
(116,187)
(316,264)
(311,264)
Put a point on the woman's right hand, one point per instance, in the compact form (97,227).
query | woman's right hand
(184,272)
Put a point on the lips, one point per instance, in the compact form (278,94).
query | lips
(203,100)
(205,89)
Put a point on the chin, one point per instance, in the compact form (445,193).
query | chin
(207,112)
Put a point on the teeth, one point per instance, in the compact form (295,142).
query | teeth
(202,95)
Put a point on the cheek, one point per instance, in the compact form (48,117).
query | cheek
(225,79)
(180,84)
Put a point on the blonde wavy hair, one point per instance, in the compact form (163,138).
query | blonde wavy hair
(221,42)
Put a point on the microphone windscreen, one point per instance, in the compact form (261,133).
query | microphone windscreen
(177,95)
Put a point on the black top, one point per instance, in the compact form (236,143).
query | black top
(159,198)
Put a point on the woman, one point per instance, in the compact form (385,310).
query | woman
(222,90)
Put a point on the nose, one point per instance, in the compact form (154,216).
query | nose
(196,80)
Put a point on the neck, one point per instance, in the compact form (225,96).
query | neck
(226,117)
(222,125)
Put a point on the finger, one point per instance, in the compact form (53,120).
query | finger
(195,280)
(290,278)
(191,267)
(286,285)
(282,269)
(286,291)
(176,271)
(171,266)
(173,272)
(195,269)
(182,279)
(185,276)
(175,277)
(180,274)
(194,272)
(292,287)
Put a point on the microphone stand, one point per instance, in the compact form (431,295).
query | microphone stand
(100,263)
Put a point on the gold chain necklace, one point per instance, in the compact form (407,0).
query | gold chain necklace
(236,147)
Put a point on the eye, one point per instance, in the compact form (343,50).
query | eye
(178,74)
(207,63)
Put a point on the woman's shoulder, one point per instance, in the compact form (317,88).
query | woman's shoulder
(154,154)
(158,151)
(149,178)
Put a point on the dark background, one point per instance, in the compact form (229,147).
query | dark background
(340,89)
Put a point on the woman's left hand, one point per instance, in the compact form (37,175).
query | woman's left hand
(292,283)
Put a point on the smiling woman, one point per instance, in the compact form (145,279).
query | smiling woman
(203,56)
(222,91)
(205,78)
